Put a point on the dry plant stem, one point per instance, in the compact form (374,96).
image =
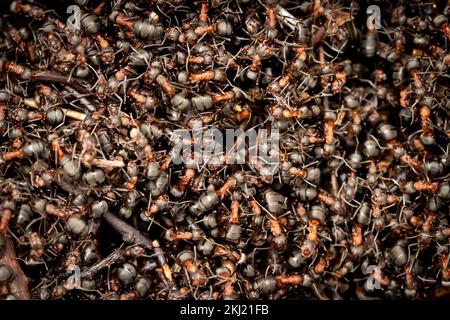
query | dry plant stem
(318,36)
(286,17)
(129,233)
(82,99)
(67,112)
(115,256)
(19,284)
(74,114)
(57,77)
(133,236)
(104,163)
(319,294)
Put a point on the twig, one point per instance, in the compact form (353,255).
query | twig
(68,113)
(57,77)
(81,98)
(114,257)
(286,17)
(19,284)
(318,35)
(129,233)
(104,163)
(319,294)
(74,114)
